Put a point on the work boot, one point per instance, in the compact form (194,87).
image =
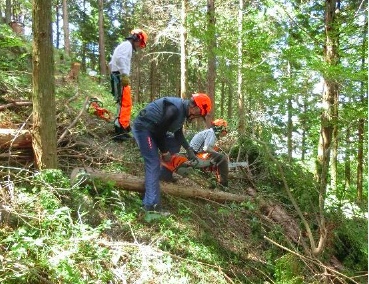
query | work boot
(121,134)
(224,183)
(155,212)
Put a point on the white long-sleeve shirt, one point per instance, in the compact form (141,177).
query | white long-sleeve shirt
(121,59)
(203,141)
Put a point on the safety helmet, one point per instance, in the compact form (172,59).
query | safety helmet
(203,102)
(140,36)
(219,125)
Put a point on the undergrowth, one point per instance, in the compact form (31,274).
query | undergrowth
(53,231)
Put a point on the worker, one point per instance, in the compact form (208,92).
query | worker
(204,142)
(150,128)
(120,68)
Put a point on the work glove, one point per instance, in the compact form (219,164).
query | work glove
(166,157)
(125,80)
(191,154)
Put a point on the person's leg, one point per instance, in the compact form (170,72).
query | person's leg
(222,167)
(116,87)
(124,114)
(149,151)
(122,122)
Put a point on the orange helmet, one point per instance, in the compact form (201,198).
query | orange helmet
(139,35)
(219,125)
(203,102)
(219,122)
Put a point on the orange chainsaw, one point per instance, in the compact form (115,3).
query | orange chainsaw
(192,169)
(96,107)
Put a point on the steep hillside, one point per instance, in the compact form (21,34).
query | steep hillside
(53,231)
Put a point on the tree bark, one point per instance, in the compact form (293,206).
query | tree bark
(103,69)
(43,97)
(328,116)
(183,49)
(8,11)
(133,183)
(347,158)
(211,45)
(240,94)
(74,71)
(66,28)
(360,159)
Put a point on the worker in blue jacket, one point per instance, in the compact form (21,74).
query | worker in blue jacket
(167,114)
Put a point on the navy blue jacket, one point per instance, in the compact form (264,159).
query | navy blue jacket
(164,115)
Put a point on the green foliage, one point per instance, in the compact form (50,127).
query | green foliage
(350,242)
(288,270)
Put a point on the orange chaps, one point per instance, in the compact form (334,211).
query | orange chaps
(124,107)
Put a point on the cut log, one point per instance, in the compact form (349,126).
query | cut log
(74,71)
(15,104)
(271,212)
(15,138)
(133,183)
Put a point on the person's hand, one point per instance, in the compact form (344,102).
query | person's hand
(191,154)
(125,80)
(166,157)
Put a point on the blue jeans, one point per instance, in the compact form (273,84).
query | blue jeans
(150,152)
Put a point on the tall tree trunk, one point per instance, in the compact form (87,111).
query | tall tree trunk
(289,118)
(230,101)
(8,11)
(57,23)
(102,62)
(361,126)
(328,116)
(44,110)
(360,160)
(222,98)
(347,159)
(154,79)
(241,99)
(212,43)
(66,28)
(183,36)
(304,130)
(289,127)
(334,146)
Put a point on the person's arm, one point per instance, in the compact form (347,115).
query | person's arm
(179,136)
(170,112)
(209,142)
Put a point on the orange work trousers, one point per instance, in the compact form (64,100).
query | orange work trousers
(125,107)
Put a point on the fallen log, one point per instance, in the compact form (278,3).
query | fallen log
(15,104)
(15,138)
(133,183)
(271,212)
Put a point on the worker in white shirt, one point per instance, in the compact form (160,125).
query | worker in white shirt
(120,68)
(203,143)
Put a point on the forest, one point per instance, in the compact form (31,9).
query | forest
(289,76)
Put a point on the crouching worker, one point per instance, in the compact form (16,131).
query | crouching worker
(150,129)
(204,142)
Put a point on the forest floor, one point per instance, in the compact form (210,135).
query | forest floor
(202,241)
